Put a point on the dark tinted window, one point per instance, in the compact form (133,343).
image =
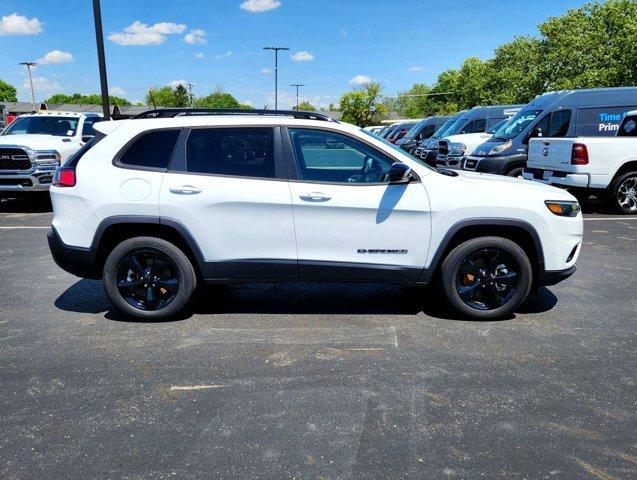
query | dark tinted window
(87,128)
(628,127)
(331,157)
(241,152)
(558,126)
(151,150)
(476,126)
(428,131)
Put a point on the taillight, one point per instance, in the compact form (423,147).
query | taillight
(579,154)
(64,177)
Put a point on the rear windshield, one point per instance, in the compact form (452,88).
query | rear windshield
(628,128)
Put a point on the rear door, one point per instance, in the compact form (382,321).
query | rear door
(350,222)
(228,187)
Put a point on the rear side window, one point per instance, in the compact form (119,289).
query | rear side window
(595,122)
(239,152)
(628,127)
(151,149)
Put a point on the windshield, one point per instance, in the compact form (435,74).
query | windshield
(58,126)
(442,130)
(515,125)
(413,131)
(398,149)
(495,128)
(457,125)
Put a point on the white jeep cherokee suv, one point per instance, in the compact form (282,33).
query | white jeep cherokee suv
(158,204)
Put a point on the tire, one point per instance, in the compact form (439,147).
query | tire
(622,193)
(148,278)
(485,256)
(515,172)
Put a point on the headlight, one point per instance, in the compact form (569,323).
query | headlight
(500,148)
(563,208)
(47,159)
(457,148)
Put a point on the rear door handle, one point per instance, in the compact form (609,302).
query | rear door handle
(185,190)
(315,197)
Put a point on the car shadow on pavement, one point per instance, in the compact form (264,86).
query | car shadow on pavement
(35,202)
(299,298)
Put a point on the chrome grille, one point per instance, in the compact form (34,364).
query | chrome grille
(14,159)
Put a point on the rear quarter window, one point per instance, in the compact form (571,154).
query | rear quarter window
(150,150)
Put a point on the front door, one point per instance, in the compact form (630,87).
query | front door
(350,222)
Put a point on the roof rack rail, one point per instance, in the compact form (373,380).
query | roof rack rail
(178,112)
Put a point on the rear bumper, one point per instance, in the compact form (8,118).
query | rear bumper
(578,180)
(547,278)
(75,260)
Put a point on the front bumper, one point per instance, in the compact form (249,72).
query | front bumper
(566,179)
(36,179)
(547,278)
(78,261)
(494,164)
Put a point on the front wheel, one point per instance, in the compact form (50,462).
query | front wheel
(486,278)
(148,278)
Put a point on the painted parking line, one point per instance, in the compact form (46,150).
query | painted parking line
(609,219)
(25,227)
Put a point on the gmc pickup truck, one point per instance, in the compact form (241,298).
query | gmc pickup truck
(601,166)
(34,145)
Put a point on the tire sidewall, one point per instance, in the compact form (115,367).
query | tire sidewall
(452,263)
(615,189)
(187,278)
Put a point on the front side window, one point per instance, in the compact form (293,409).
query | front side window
(87,128)
(558,126)
(240,152)
(44,125)
(334,158)
(152,149)
(476,126)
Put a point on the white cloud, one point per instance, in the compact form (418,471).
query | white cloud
(266,71)
(248,102)
(175,83)
(416,69)
(55,56)
(258,6)
(196,36)
(224,55)
(302,56)
(42,86)
(343,32)
(360,80)
(199,55)
(141,34)
(15,24)
(116,91)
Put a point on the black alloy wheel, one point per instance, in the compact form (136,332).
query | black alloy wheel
(147,279)
(487,279)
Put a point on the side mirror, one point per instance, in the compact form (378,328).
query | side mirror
(419,136)
(87,138)
(399,173)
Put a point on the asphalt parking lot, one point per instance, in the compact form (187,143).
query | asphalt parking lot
(316,381)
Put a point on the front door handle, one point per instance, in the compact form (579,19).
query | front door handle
(315,197)
(185,190)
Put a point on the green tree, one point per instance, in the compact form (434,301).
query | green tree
(182,99)
(306,107)
(79,98)
(7,92)
(363,106)
(161,97)
(220,99)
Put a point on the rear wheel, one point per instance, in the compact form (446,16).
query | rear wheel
(149,278)
(623,193)
(486,278)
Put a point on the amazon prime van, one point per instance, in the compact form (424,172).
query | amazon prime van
(565,113)
(421,131)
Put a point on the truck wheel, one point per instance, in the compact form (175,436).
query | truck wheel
(148,278)
(486,278)
(623,193)
(515,172)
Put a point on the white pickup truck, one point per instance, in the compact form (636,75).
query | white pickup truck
(601,166)
(34,145)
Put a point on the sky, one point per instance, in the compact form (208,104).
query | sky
(334,45)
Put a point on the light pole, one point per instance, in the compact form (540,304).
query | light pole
(29,65)
(99,40)
(276,73)
(190,85)
(297,85)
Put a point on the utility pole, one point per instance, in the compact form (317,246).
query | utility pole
(99,40)
(297,85)
(29,65)
(190,85)
(276,73)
